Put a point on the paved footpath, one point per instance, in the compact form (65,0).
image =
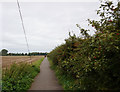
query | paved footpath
(46,79)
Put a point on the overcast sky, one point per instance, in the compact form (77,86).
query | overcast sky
(47,24)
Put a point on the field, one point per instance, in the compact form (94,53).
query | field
(18,77)
(8,60)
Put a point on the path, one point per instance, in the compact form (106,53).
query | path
(46,79)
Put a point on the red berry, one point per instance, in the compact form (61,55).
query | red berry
(92,25)
(99,48)
(117,33)
(110,20)
(94,57)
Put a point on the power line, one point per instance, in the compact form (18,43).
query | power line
(23,27)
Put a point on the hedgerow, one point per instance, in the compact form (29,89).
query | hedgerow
(93,61)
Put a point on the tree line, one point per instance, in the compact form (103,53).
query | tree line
(4,52)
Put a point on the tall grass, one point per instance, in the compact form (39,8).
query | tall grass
(20,76)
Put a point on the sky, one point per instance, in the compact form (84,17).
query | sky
(50,0)
(47,24)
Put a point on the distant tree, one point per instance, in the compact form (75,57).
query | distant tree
(22,54)
(25,54)
(29,54)
(4,52)
(9,54)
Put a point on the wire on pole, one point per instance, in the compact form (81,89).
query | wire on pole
(22,22)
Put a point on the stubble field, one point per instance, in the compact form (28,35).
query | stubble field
(8,60)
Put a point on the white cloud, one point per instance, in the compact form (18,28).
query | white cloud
(46,24)
(50,0)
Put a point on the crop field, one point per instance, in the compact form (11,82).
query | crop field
(8,60)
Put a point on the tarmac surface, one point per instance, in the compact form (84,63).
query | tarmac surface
(46,79)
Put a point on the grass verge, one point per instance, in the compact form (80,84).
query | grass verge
(18,77)
(66,81)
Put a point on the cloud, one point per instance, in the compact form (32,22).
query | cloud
(46,24)
(51,0)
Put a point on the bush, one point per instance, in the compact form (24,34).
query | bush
(93,61)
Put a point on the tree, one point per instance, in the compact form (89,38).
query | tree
(4,52)
(25,54)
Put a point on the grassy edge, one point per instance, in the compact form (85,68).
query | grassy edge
(20,76)
(66,81)
(38,62)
